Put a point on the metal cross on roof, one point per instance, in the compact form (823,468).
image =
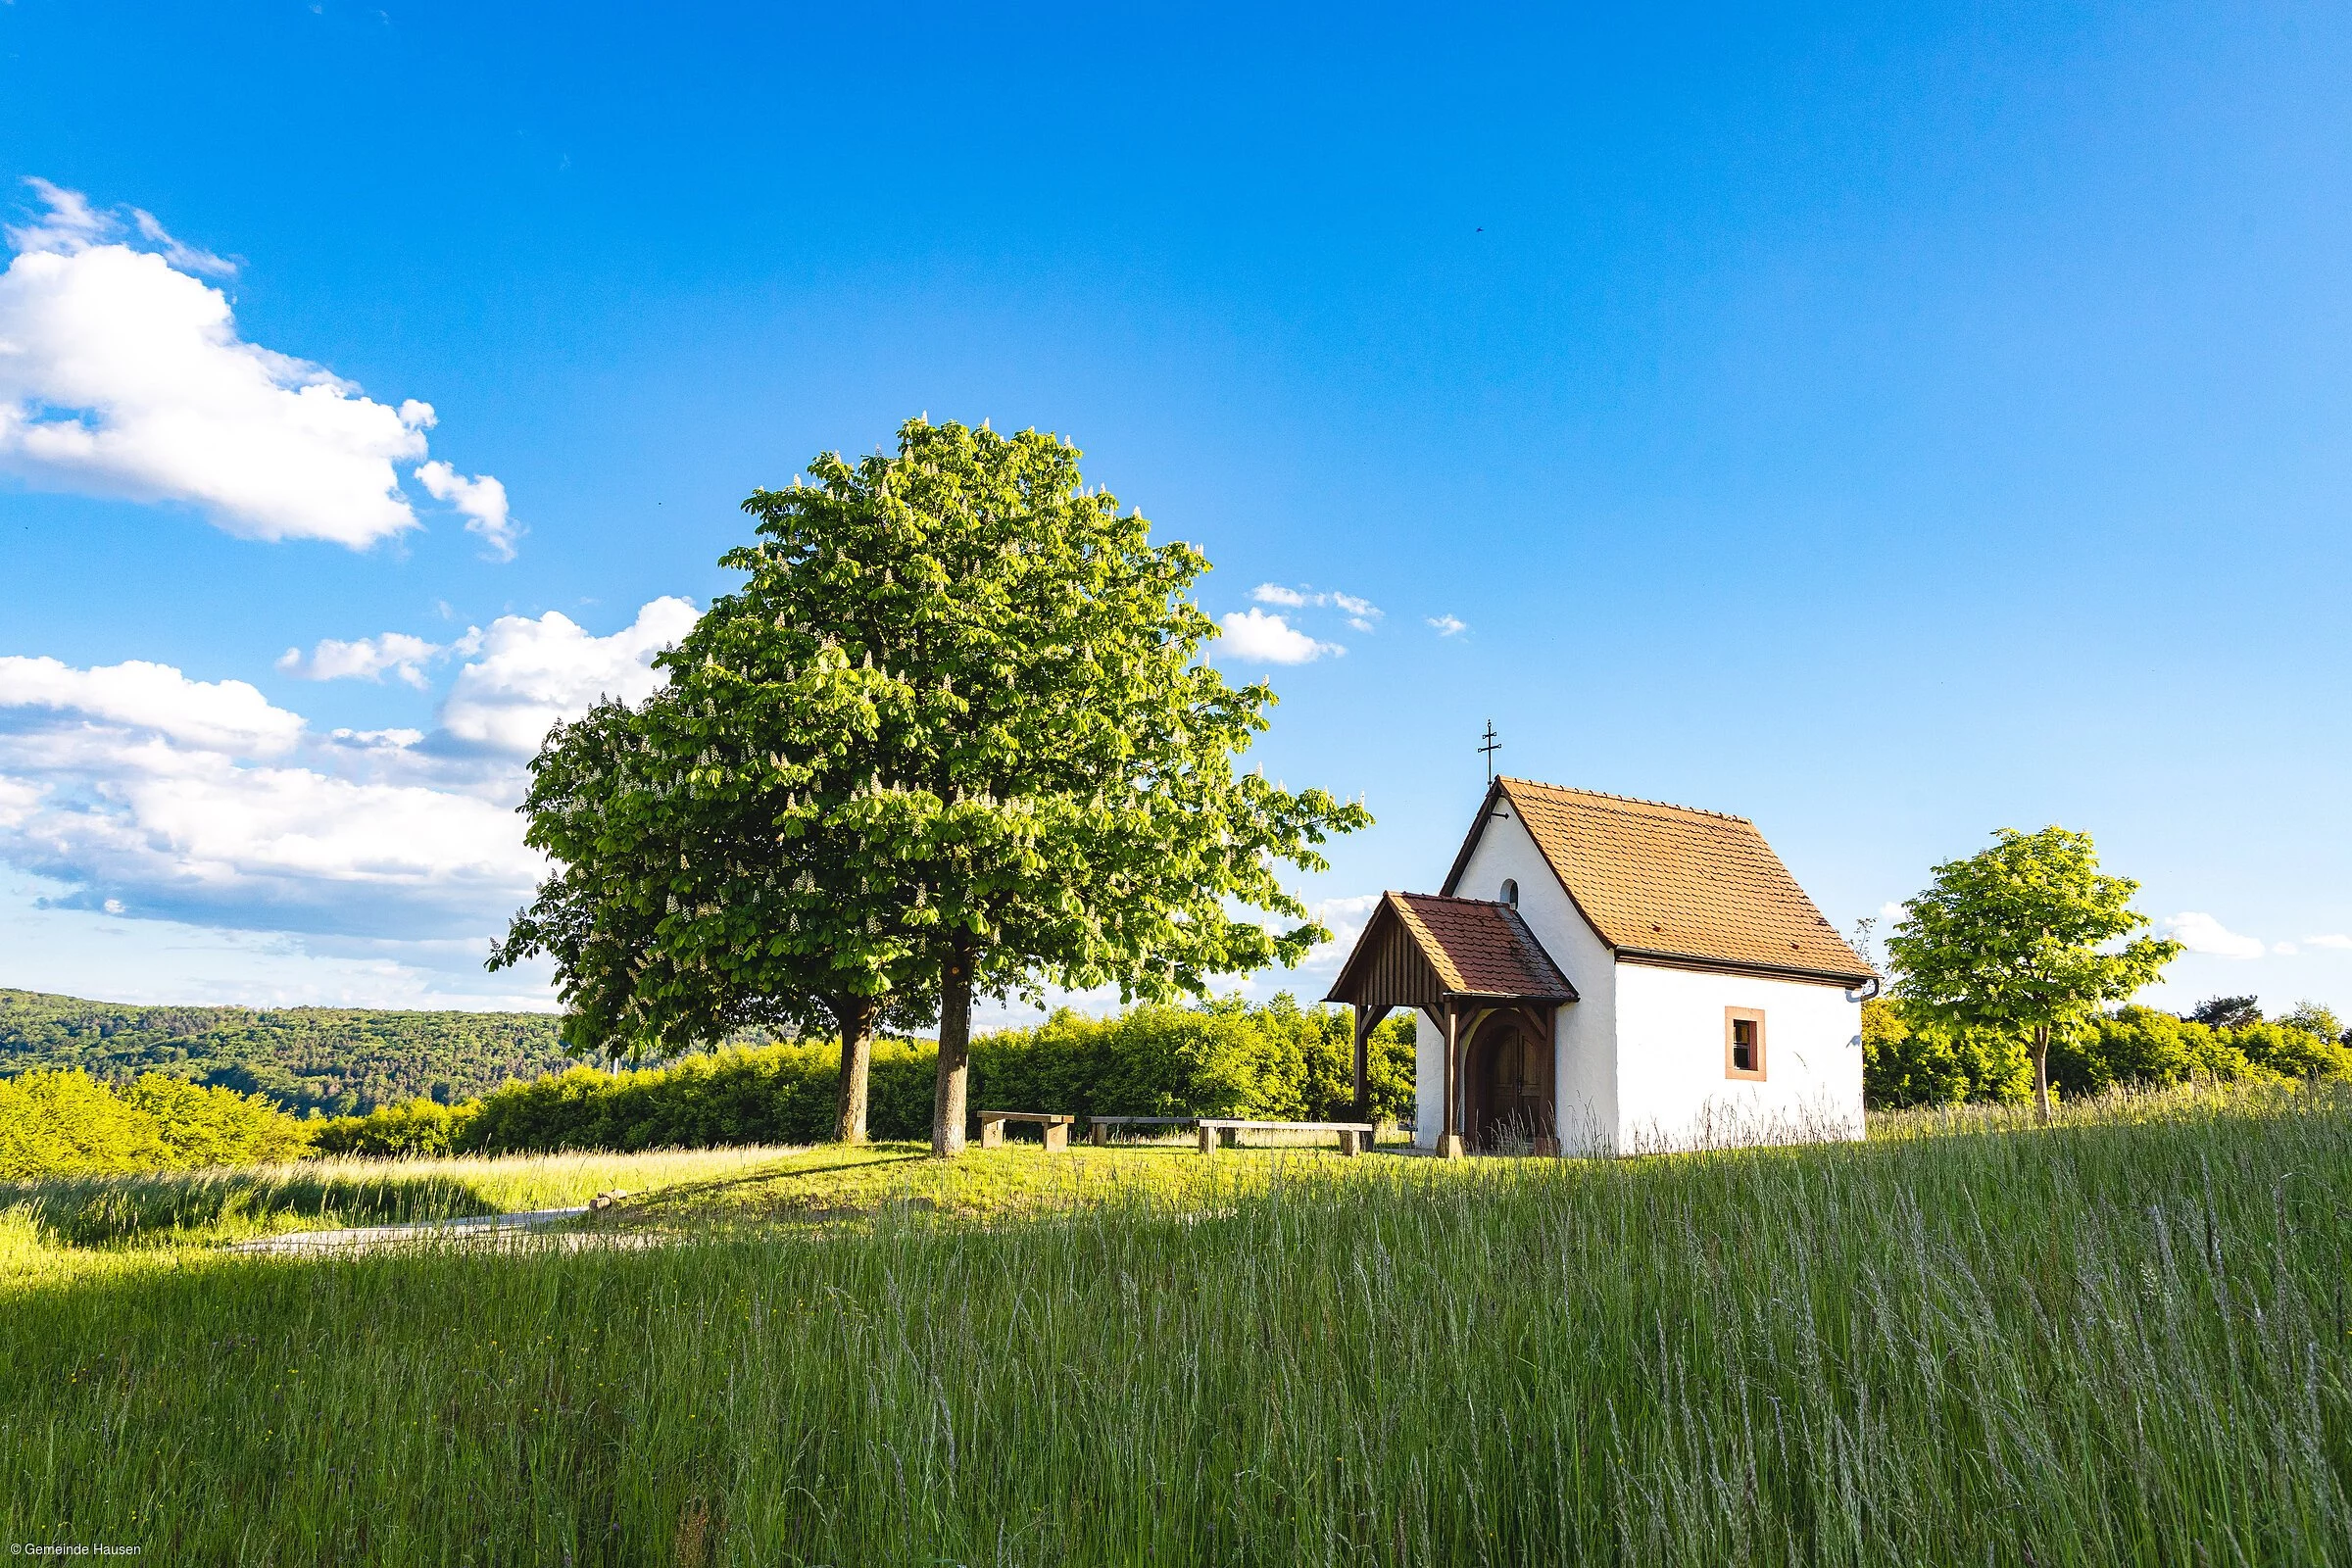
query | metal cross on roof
(1489,750)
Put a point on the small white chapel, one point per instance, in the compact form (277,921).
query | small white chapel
(1606,975)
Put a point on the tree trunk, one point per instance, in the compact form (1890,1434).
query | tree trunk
(954,1053)
(857,1016)
(2041,1074)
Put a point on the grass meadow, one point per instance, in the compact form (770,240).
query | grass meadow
(2119,1339)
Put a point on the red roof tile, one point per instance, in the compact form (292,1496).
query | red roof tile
(1481,949)
(1674,882)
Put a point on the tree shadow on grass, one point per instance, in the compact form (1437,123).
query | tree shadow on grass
(664,1202)
(150,1209)
(886,1180)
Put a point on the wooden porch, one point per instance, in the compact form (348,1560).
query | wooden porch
(1481,978)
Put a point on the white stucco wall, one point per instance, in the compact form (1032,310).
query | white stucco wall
(1671,1089)
(1429,1080)
(1585,1069)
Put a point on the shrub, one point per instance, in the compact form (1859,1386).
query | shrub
(422,1126)
(1907,1061)
(2139,1045)
(1904,1064)
(55,1122)
(762,1095)
(209,1126)
(69,1121)
(2289,1051)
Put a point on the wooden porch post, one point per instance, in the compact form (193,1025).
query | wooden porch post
(1551,1043)
(1363,1043)
(1449,1138)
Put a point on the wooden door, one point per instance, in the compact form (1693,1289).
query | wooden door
(1511,1103)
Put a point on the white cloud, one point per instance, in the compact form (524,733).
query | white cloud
(141,790)
(188,258)
(376,740)
(1346,917)
(2336,940)
(122,374)
(283,848)
(483,500)
(531,673)
(1361,614)
(82,952)
(366,658)
(2202,933)
(1257,636)
(184,800)
(19,798)
(226,716)
(2285,949)
(1449,625)
(70,225)
(157,399)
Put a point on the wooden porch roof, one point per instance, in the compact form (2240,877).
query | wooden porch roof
(1421,949)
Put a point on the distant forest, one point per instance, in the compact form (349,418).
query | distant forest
(330,1060)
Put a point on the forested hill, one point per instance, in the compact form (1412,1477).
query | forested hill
(333,1060)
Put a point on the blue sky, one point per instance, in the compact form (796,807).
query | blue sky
(1886,427)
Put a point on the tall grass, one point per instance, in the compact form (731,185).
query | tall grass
(195,1208)
(2198,1102)
(2102,1343)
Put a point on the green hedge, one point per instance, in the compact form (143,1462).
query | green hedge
(57,1123)
(1905,1063)
(422,1126)
(1280,1062)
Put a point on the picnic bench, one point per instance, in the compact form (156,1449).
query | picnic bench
(1354,1136)
(1057,1128)
(1098,1128)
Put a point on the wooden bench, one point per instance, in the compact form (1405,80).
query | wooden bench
(1354,1136)
(1098,1128)
(1057,1128)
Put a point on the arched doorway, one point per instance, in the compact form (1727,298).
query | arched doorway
(1510,1088)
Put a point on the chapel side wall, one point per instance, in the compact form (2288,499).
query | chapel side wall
(1584,1068)
(1674,1092)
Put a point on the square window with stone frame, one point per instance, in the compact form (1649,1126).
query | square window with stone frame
(1742,1043)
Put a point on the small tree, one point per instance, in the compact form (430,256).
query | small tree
(2014,941)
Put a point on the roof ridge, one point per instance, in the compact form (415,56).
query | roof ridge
(1447,897)
(1629,799)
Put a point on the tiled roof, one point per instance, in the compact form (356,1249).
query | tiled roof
(1673,882)
(1480,948)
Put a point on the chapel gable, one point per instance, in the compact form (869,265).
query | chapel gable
(1671,884)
